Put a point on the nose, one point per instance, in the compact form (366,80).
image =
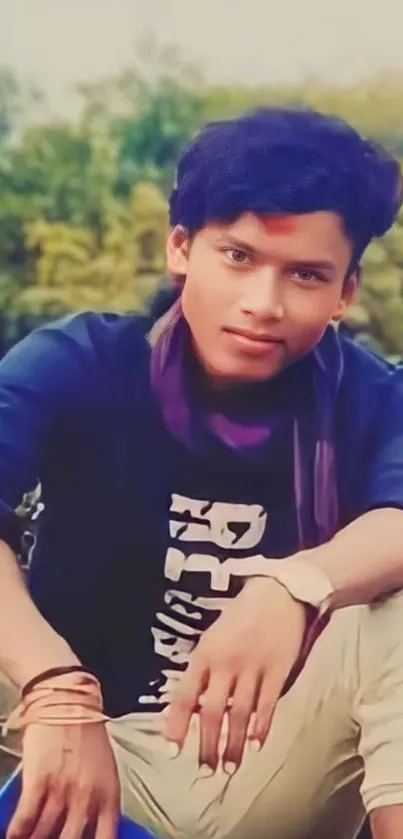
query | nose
(263,295)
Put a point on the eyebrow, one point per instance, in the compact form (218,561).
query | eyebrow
(237,243)
(318,264)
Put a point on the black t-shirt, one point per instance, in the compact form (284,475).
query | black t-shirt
(139,536)
(224,511)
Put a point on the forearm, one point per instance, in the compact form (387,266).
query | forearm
(28,645)
(387,822)
(364,561)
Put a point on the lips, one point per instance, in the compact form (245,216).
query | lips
(253,343)
(258,337)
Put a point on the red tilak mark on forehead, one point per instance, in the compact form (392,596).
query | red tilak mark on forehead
(278,224)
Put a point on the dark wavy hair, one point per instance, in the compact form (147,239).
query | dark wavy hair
(287,160)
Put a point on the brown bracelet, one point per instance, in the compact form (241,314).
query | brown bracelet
(50,674)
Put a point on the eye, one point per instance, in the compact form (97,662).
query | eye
(306,275)
(238,256)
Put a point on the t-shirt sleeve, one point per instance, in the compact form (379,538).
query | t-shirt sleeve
(379,706)
(40,378)
(382,477)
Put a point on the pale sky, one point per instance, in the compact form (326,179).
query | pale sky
(59,42)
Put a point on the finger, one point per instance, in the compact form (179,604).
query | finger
(266,705)
(212,712)
(50,815)
(78,816)
(27,812)
(107,824)
(184,703)
(239,715)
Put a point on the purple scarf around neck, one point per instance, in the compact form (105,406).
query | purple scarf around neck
(170,381)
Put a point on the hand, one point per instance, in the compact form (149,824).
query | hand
(69,781)
(242,661)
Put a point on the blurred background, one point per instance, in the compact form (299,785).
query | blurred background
(99,97)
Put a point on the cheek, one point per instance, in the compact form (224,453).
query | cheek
(199,307)
(310,314)
(204,298)
(195,298)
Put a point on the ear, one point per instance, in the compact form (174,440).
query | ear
(177,251)
(348,293)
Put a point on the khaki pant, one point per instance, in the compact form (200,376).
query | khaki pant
(335,748)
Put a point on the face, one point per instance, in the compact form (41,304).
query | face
(259,293)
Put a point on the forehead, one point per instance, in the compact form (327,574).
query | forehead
(307,236)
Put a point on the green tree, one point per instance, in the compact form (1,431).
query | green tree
(75,269)
(377,316)
(153,109)
(83,213)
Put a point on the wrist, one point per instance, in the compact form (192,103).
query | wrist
(305,580)
(60,696)
(55,673)
(265,587)
(304,618)
(266,591)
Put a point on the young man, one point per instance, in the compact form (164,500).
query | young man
(214,491)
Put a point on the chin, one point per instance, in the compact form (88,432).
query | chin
(241,374)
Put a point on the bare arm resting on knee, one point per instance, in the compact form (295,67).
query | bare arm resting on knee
(364,560)
(28,645)
(39,379)
(61,764)
(69,773)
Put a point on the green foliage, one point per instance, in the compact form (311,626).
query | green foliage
(83,203)
(109,266)
(377,315)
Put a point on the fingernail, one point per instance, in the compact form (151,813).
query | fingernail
(255,745)
(230,768)
(205,771)
(173,749)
